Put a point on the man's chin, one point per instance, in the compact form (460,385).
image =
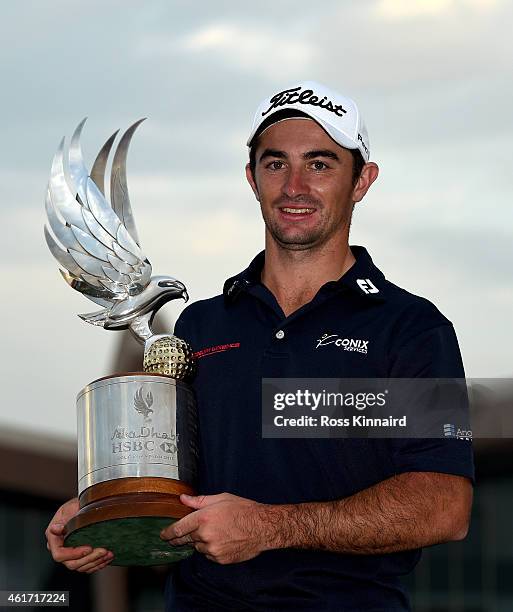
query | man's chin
(298,242)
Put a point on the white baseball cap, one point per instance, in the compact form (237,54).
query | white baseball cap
(336,114)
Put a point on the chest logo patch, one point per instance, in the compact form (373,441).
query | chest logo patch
(220,348)
(347,344)
(367,286)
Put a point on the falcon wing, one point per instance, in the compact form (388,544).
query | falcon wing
(98,250)
(140,404)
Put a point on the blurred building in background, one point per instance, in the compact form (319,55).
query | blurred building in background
(38,473)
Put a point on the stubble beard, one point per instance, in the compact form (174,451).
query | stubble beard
(300,241)
(308,239)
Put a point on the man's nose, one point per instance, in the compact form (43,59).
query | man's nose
(295,183)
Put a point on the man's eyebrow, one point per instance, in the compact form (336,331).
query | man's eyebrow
(308,155)
(273,153)
(321,153)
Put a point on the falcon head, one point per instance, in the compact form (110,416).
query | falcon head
(159,291)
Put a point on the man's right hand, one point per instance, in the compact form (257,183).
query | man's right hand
(80,558)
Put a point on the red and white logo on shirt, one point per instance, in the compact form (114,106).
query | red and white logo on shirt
(211,350)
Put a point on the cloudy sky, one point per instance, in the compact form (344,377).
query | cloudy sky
(433,81)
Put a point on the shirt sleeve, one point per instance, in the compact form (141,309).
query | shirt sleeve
(433,353)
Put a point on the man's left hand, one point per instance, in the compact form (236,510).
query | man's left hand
(225,528)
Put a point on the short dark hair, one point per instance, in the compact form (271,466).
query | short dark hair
(358,161)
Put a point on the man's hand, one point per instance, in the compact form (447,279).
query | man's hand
(81,558)
(403,512)
(225,528)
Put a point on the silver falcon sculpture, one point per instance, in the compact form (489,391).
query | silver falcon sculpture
(96,242)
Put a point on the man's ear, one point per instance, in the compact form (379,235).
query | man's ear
(368,175)
(251,181)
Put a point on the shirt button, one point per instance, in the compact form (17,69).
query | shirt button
(280,334)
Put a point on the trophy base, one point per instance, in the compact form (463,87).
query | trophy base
(134,541)
(126,516)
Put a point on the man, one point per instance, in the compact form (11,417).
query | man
(309,524)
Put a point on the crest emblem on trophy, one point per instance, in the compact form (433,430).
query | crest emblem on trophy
(143,404)
(130,473)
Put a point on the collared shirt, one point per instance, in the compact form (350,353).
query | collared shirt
(243,336)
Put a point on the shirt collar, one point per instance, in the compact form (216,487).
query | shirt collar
(363,277)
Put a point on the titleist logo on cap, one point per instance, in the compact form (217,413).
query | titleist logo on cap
(307,96)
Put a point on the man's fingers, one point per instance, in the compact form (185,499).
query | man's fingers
(97,564)
(54,538)
(75,557)
(181,528)
(53,541)
(55,528)
(62,553)
(93,558)
(191,522)
(98,567)
(71,557)
(187,539)
(55,544)
(200,501)
(201,547)
(195,501)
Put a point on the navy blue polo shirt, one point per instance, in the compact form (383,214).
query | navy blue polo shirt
(243,336)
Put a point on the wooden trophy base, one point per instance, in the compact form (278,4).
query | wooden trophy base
(126,516)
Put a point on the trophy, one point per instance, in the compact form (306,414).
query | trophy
(137,448)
